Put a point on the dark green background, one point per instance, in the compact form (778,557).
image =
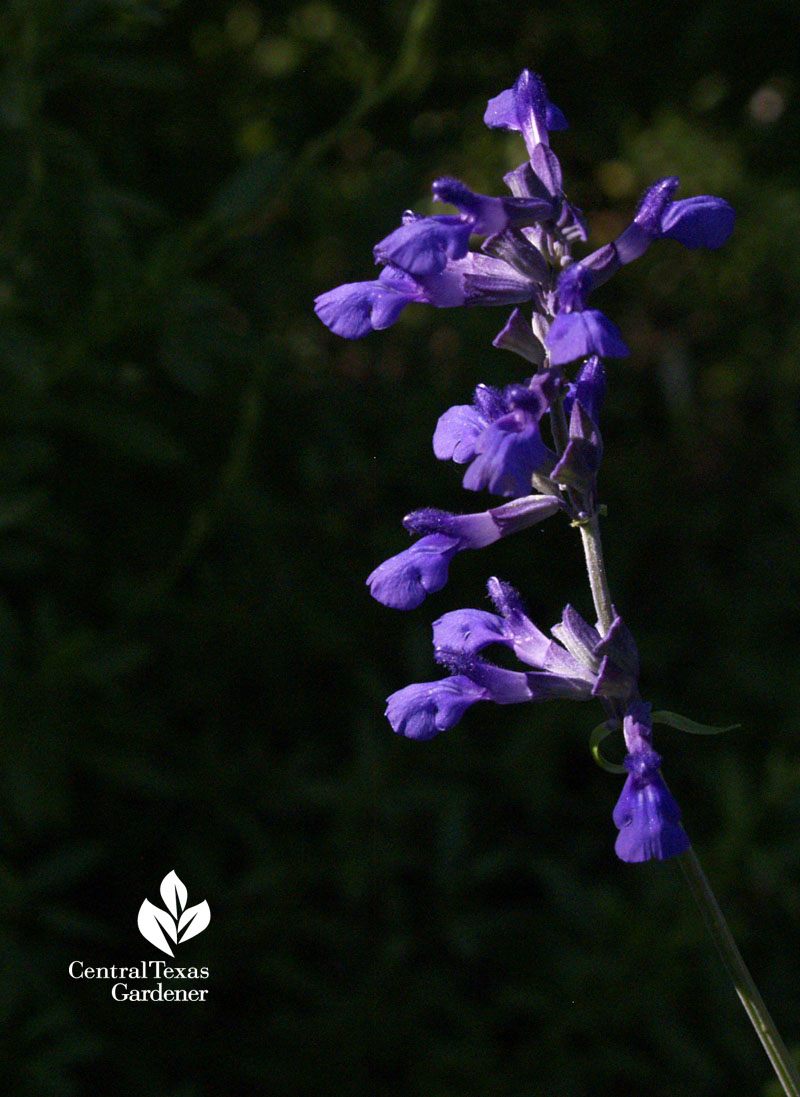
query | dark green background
(196,478)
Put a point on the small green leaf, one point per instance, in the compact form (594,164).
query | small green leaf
(601,732)
(683,723)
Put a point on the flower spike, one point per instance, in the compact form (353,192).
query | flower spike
(516,251)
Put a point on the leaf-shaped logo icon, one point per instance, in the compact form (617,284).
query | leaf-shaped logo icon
(193,921)
(178,922)
(173,892)
(152,922)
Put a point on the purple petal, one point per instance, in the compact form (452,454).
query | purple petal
(422,710)
(574,286)
(646,815)
(500,112)
(530,105)
(578,334)
(487,215)
(504,687)
(403,581)
(589,388)
(653,205)
(357,308)
(468,631)
(603,263)
(509,452)
(471,530)
(701,222)
(490,402)
(555,117)
(424,245)
(457,432)
(446,290)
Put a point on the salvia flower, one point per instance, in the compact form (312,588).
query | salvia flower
(526,109)
(646,815)
(498,435)
(576,664)
(405,580)
(700,222)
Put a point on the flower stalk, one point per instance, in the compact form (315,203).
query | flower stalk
(778,1053)
(716,923)
(596,570)
(526,259)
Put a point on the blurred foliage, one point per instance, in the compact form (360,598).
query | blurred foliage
(195,478)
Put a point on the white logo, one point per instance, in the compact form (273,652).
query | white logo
(178,922)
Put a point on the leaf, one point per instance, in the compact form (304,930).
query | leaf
(151,922)
(174,893)
(193,921)
(683,723)
(601,732)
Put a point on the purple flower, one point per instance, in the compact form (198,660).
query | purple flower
(498,435)
(423,245)
(355,309)
(578,334)
(479,530)
(525,108)
(422,710)
(700,222)
(404,581)
(646,815)
(492,215)
(704,221)
(578,663)
(581,666)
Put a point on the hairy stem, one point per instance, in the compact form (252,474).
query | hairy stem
(595,566)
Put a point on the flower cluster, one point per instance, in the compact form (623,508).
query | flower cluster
(525,257)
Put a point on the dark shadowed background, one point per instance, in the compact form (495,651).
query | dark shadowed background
(196,478)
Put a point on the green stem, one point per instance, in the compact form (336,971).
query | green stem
(595,566)
(741,978)
(699,886)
